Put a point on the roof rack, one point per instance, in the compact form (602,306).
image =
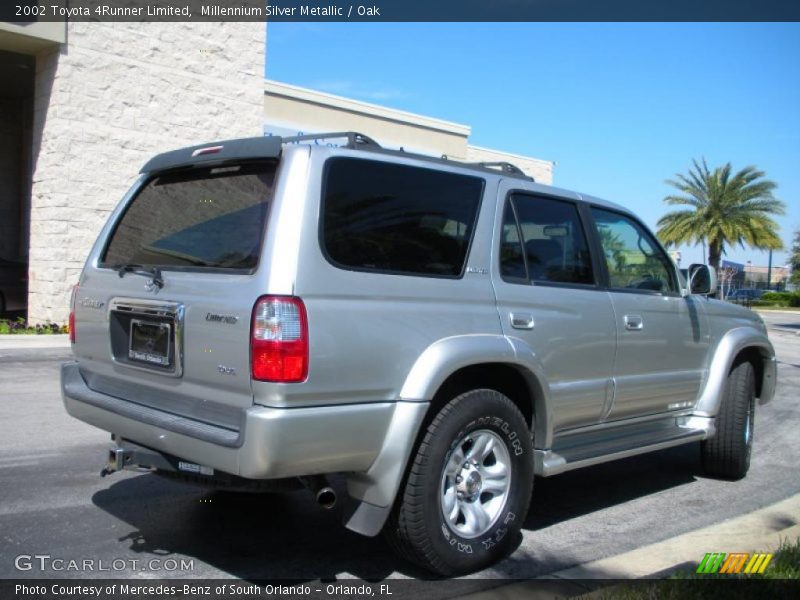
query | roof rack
(354,139)
(360,141)
(505,167)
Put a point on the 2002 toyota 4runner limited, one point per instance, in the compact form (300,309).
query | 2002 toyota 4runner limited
(264,311)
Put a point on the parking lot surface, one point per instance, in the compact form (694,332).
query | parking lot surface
(53,501)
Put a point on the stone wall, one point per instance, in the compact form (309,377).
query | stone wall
(112,96)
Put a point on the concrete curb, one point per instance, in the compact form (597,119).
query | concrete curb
(762,531)
(10,342)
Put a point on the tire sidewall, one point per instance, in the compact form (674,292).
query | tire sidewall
(727,454)
(748,402)
(495,413)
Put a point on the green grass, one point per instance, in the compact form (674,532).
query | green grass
(780,576)
(785,564)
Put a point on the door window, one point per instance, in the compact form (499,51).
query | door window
(543,241)
(634,260)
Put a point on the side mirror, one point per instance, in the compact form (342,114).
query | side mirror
(702,280)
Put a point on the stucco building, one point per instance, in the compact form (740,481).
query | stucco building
(290,110)
(83,105)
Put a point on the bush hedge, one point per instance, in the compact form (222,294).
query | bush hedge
(778,299)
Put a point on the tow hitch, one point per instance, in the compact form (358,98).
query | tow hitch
(125,455)
(118,458)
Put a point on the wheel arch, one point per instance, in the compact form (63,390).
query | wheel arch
(443,371)
(455,365)
(510,379)
(741,344)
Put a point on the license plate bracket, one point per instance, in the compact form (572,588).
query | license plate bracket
(150,342)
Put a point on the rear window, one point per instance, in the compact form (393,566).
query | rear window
(203,218)
(398,219)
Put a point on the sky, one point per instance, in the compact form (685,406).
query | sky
(620,108)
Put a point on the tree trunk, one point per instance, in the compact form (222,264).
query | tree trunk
(714,253)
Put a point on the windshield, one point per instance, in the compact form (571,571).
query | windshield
(203,218)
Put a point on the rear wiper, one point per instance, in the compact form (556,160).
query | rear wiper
(153,272)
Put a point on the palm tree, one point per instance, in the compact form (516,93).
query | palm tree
(794,260)
(724,209)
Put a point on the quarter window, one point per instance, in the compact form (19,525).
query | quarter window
(543,241)
(633,258)
(398,219)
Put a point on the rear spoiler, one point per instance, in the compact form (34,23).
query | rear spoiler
(216,152)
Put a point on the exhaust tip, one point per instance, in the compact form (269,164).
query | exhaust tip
(326,498)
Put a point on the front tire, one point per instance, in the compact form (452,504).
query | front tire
(727,454)
(468,487)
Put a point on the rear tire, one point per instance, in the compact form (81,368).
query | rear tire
(727,454)
(468,487)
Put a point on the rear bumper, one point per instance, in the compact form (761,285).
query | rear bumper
(273,442)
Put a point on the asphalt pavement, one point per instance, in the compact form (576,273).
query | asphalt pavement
(53,501)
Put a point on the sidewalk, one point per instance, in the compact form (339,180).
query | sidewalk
(778,311)
(761,531)
(9,342)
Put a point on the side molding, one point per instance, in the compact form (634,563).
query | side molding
(729,347)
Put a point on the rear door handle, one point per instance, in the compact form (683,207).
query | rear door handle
(521,320)
(633,322)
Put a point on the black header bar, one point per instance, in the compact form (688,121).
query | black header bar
(373,11)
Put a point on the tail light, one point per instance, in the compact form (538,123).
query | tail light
(279,340)
(72,314)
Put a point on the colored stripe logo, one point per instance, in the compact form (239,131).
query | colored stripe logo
(734,563)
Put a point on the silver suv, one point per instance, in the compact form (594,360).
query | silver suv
(262,312)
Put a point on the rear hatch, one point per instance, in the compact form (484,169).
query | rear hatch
(162,312)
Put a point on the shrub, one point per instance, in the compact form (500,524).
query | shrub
(765,303)
(19,326)
(778,297)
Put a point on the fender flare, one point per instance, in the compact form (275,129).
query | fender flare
(729,347)
(448,355)
(377,488)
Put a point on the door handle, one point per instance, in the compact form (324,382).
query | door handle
(521,320)
(633,322)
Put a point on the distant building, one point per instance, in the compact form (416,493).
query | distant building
(292,110)
(757,276)
(746,275)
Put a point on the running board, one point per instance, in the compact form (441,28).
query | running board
(584,448)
